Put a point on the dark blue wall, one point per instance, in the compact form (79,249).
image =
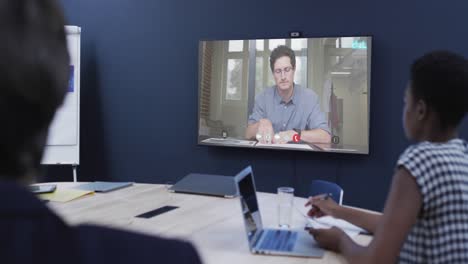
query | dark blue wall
(139,86)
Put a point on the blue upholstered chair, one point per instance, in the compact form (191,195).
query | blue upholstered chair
(318,187)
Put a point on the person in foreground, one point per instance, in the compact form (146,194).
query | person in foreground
(34,68)
(425,219)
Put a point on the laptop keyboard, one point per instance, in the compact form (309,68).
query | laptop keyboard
(278,240)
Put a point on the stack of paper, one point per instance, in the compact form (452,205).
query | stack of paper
(328,222)
(64,195)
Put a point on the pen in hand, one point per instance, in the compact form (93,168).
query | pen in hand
(328,195)
(318,204)
(325,197)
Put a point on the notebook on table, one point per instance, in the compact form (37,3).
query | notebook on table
(206,184)
(99,186)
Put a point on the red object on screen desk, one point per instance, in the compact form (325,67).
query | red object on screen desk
(296,138)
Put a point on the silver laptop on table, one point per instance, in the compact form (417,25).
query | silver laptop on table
(265,240)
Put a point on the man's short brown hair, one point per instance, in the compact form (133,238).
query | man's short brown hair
(282,51)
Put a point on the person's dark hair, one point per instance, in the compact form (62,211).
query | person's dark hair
(282,51)
(440,78)
(34,72)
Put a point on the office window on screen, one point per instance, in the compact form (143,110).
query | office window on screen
(235,78)
(237,59)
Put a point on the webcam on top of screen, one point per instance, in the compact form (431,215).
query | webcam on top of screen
(295,34)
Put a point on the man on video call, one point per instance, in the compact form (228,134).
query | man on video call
(286,111)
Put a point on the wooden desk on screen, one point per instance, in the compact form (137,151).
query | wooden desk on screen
(214,225)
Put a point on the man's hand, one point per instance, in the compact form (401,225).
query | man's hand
(328,238)
(265,129)
(285,136)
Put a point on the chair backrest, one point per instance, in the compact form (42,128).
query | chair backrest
(318,187)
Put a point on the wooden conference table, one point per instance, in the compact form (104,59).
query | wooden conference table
(214,225)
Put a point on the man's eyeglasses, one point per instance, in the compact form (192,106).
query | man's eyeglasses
(285,70)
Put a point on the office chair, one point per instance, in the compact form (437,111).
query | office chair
(318,187)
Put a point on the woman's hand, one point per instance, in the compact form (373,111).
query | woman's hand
(328,238)
(322,205)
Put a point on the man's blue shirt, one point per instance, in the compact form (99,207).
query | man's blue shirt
(301,112)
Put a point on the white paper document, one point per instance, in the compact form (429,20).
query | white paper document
(288,146)
(328,222)
(64,127)
(229,141)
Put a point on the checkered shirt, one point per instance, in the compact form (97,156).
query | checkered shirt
(440,234)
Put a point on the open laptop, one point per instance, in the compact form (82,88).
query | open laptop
(265,240)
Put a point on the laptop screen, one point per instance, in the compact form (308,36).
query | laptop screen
(249,204)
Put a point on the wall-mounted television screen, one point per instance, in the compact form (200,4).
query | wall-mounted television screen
(307,94)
